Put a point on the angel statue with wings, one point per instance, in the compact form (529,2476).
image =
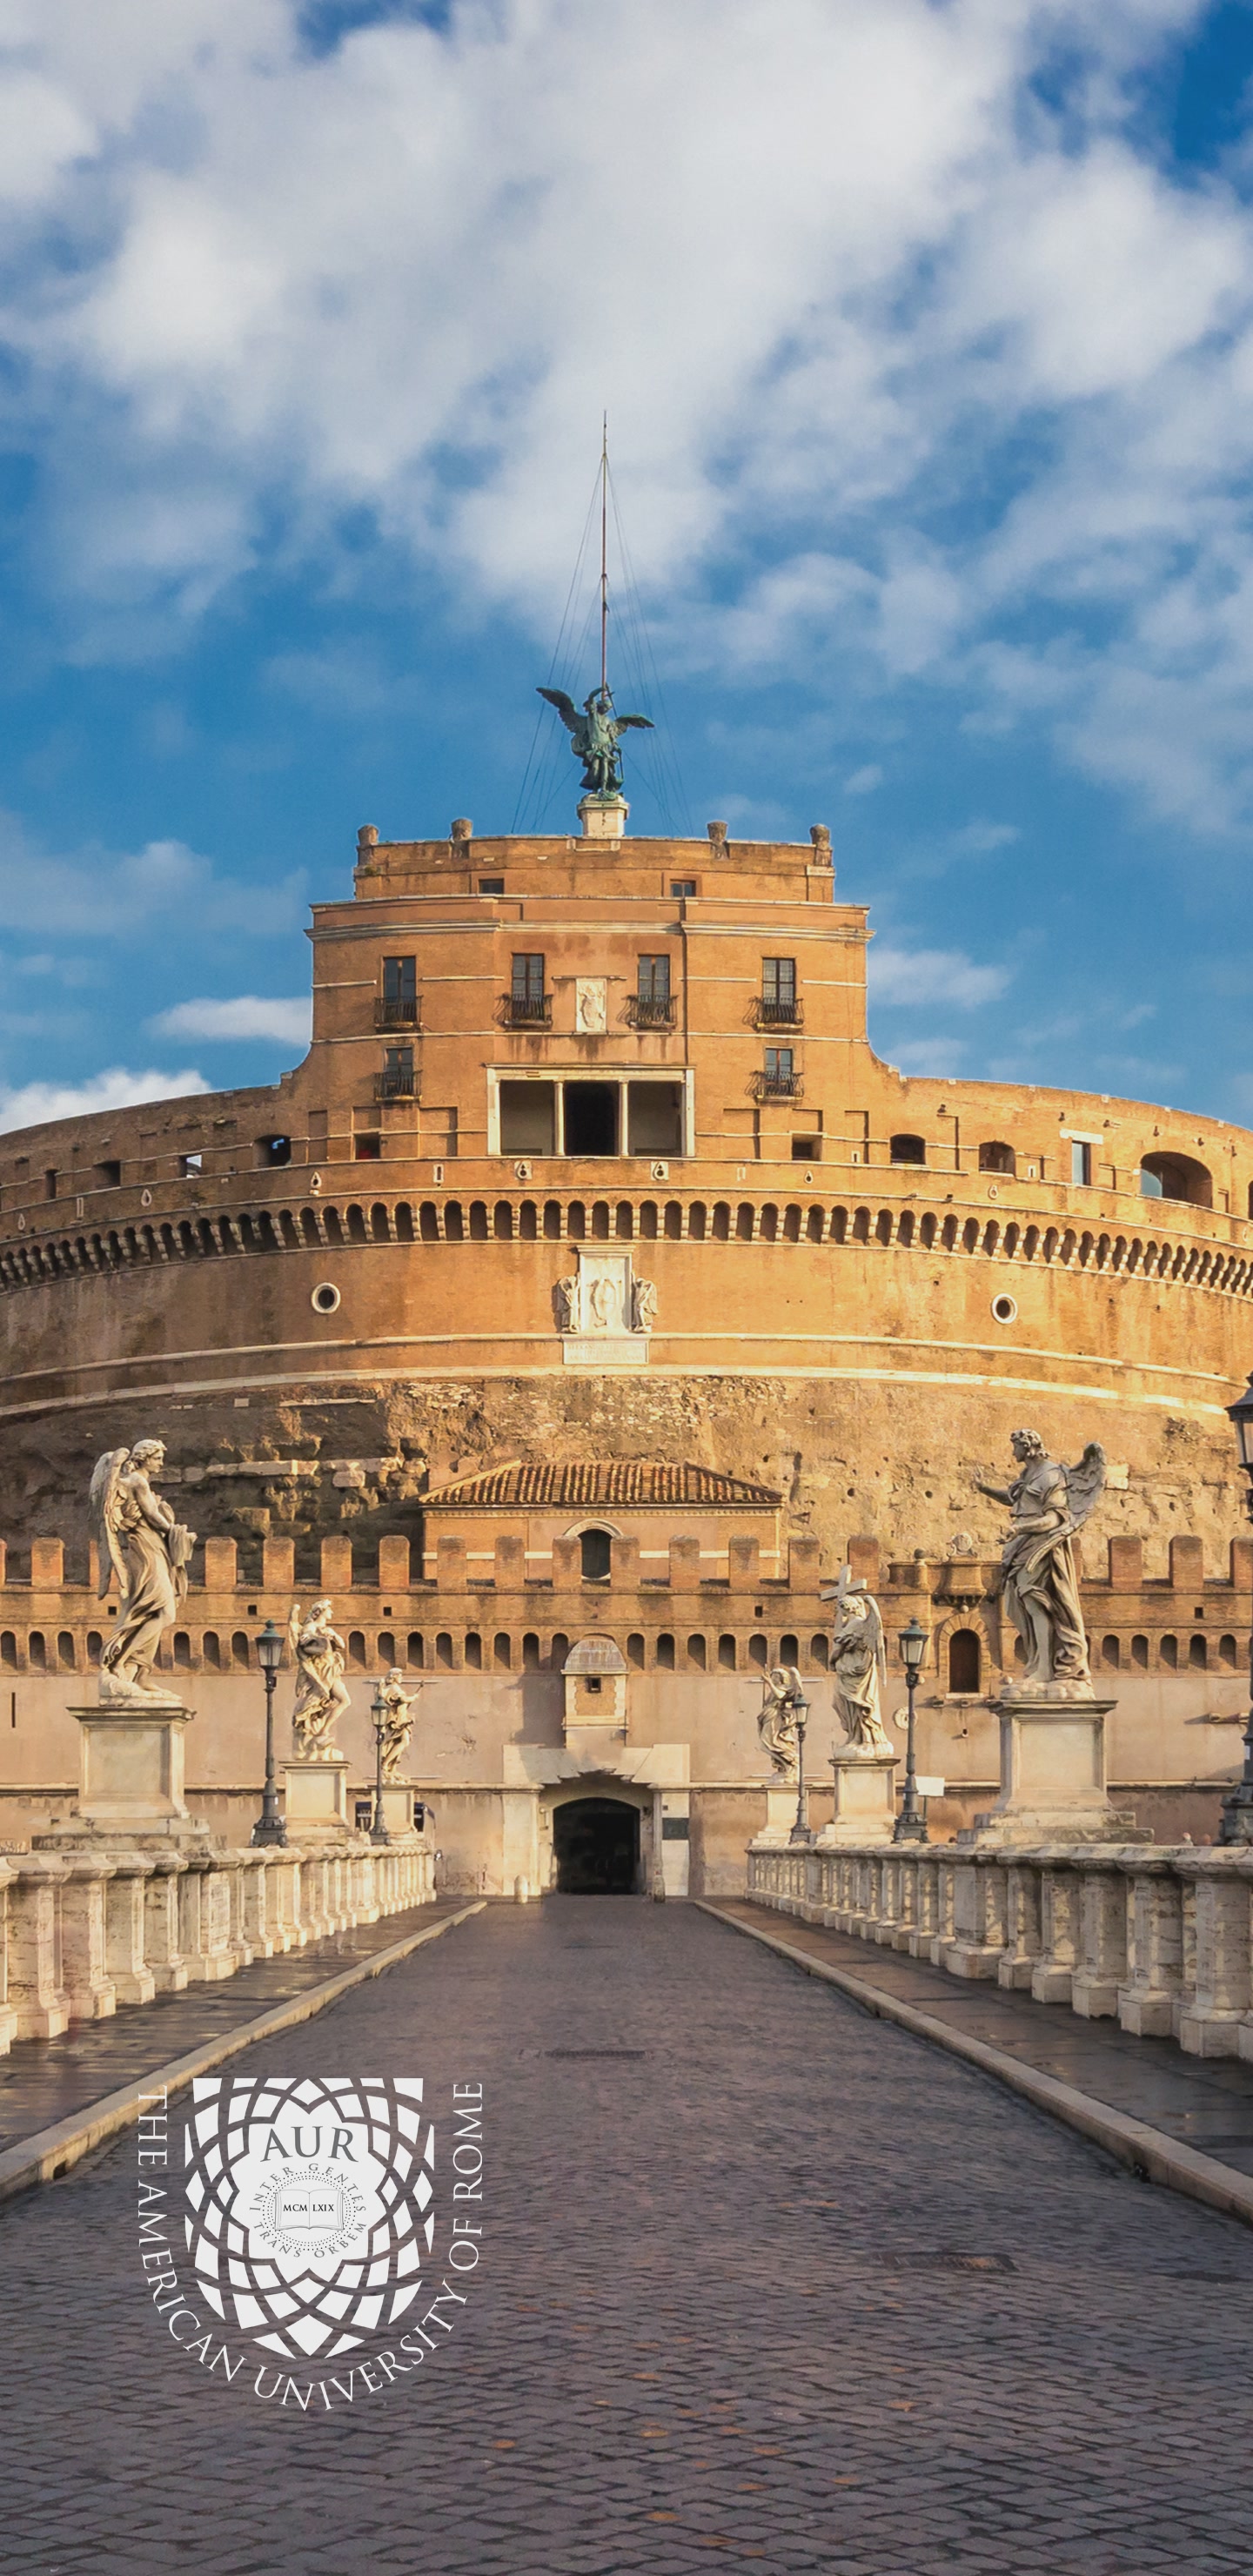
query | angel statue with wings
(319,1655)
(595,736)
(859,1665)
(398,1723)
(776,1719)
(139,1539)
(1039,1578)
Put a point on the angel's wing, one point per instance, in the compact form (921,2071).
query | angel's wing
(293,1630)
(1085,1483)
(102,1517)
(565,707)
(874,1628)
(622,722)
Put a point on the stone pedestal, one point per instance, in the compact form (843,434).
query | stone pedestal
(316,1798)
(604,818)
(1053,1776)
(780,1817)
(865,1798)
(130,1758)
(398,1800)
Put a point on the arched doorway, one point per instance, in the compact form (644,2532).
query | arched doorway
(596,1846)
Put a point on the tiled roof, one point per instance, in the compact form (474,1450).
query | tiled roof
(597,1484)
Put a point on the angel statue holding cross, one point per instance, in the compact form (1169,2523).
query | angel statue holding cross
(141,1541)
(859,1664)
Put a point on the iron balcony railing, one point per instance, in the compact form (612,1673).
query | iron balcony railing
(781,1015)
(398,1015)
(642,1014)
(526,1010)
(396,1082)
(777,1086)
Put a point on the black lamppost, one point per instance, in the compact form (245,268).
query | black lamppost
(1237,1816)
(269,1827)
(800,1719)
(378,1711)
(911,1824)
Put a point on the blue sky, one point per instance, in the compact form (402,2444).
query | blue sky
(926,335)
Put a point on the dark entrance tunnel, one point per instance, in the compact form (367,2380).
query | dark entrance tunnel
(596,1845)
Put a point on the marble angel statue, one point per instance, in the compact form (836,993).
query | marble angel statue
(398,1723)
(1048,1503)
(138,1538)
(319,1655)
(776,1722)
(859,1665)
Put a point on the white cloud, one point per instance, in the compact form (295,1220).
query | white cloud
(35,1103)
(982,838)
(930,352)
(249,1015)
(933,975)
(863,782)
(164,887)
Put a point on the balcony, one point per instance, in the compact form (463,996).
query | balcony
(780,1015)
(398,1015)
(777,1086)
(643,1014)
(526,1010)
(396,1082)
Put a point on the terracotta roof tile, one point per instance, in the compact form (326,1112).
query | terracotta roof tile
(597,1484)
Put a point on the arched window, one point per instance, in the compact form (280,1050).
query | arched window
(443,1650)
(239,1649)
(1168,1652)
(1109,1652)
(530,1652)
(1227,1652)
(1176,1176)
(757,1651)
(1198,1653)
(789,1650)
(474,1652)
(8,1651)
(356,1649)
(596,1548)
(65,1651)
(387,1649)
(963,1660)
(907,1149)
(997,1157)
(502,1654)
(558,1651)
(696,1654)
(726,1654)
(665,1654)
(182,1650)
(635,1652)
(211,1650)
(415,1651)
(820,1650)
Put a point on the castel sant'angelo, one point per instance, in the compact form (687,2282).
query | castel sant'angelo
(584,1300)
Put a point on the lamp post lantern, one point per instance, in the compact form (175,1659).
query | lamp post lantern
(800,1719)
(269,1827)
(378,1711)
(911,1824)
(1236,1825)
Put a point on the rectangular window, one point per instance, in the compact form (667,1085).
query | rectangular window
(654,1118)
(50,1185)
(654,980)
(491,885)
(527,1117)
(528,981)
(778,983)
(400,980)
(778,1064)
(682,885)
(190,1166)
(1081,1163)
(109,1175)
(367,1149)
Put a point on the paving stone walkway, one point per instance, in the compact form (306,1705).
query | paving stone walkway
(769,2283)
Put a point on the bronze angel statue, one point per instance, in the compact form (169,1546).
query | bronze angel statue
(1039,1579)
(595,736)
(139,1539)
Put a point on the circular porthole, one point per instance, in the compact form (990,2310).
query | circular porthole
(1004,1309)
(325,1298)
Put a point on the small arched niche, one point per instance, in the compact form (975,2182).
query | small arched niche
(1176,1176)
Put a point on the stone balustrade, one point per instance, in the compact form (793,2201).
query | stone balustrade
(81,1933)
(1159,1938)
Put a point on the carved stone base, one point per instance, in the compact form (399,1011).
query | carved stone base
(398,1800)
(1053,1776)
(865,1798)
(604,818)
(131,1760)
(780,1817)
(316,1798)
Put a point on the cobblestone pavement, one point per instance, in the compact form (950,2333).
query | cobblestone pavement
(788,2290)
(43,2080)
